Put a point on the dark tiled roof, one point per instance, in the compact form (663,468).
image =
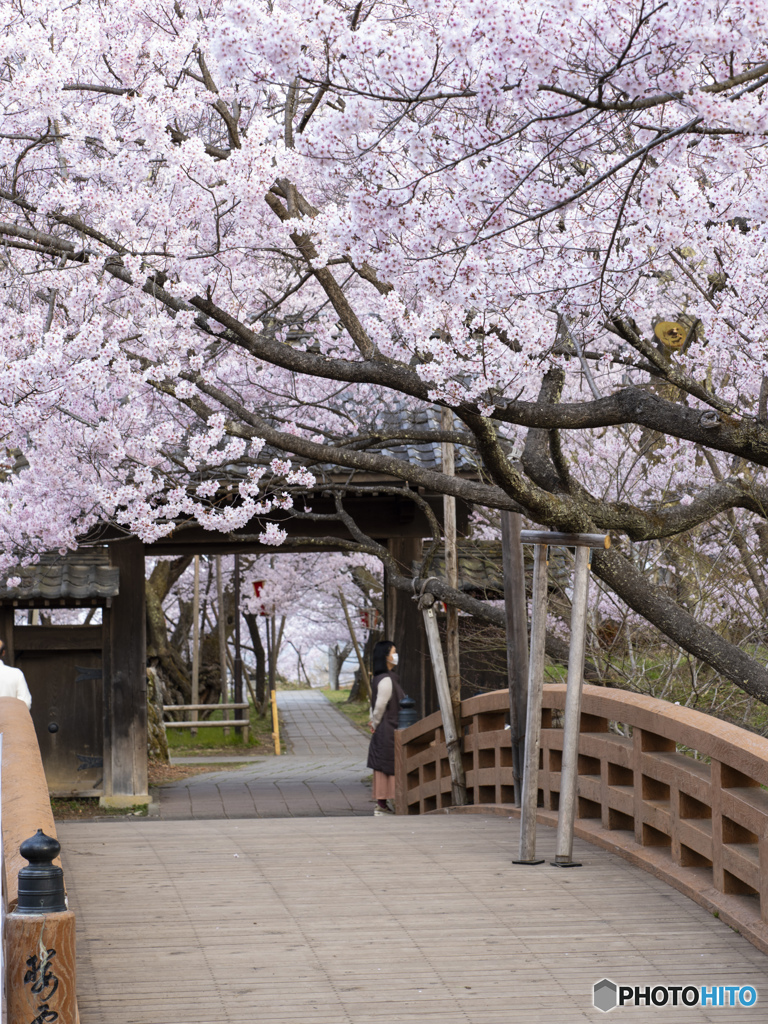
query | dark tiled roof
(427,455)
(78,575)
(480,567)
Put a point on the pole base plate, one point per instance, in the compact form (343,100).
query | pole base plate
(565,864)
(527,861)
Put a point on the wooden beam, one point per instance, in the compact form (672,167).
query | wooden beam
(404,626)
(530,794)
(239,722)
(221,623)
(452,662)
(106,700)
(237,662)
(517,640)
(566,540)
(205,707)
(381,516)
(58,638)
(572,724)
(450,729)
(196,640)
(7,634)
(128,666)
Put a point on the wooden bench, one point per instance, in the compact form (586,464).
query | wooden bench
(226,724)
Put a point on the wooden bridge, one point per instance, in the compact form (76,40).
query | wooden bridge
(362,920)
(423,917)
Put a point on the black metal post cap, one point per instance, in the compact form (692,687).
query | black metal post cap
(407,714)
(40,849)
(41,883)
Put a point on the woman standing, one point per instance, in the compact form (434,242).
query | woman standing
(386,694)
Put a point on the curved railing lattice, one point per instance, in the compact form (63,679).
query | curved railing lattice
(676,792)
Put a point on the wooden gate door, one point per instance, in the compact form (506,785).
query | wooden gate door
(67,703)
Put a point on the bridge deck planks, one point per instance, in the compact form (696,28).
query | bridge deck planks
(374,921)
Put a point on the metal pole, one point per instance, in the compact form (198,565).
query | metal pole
(452,741)
(196,643)
(569,771)
(530,797)
(517,640)
(237,664)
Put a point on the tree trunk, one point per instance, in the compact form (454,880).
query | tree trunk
(156,698)
(333,667)
(252,623)
(160,652)
(359,692)
(680,626)
(180,637)
(167,678)
(361,689)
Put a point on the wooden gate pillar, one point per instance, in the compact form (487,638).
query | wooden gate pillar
(125,682)
(6,633)
(404,626)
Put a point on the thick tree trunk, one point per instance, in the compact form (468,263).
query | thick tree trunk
(180,637)
(164,656)
(167,678)
(252,623)
(156,697)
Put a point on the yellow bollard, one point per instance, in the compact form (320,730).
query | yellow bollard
(275,721)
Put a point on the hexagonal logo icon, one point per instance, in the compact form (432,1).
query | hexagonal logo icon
(604,995)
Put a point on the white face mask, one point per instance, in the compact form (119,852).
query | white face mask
(393,658)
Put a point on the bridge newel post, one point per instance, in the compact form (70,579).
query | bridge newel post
(530,791)
(569,777)
(40,977)
(763,862)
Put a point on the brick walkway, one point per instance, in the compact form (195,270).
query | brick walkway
(321,775)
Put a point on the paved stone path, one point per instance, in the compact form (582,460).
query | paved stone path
(414,920)
(321,775)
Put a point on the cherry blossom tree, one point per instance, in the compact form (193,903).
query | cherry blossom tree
(290,616)
(234,233)
(302,591)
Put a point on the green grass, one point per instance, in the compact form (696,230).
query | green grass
(554,673)
(212,739)
(356,712)
(651,675)
(88,807)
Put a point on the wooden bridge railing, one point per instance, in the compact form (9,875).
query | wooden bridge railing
(674,791)
(35,989)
